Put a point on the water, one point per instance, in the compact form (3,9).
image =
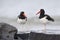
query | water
(33,24)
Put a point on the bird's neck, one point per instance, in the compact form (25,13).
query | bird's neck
(42,14)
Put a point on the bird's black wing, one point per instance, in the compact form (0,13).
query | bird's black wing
(49,18)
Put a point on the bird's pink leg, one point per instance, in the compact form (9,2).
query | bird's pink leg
(44,28)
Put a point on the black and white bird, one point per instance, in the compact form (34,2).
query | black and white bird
(22,18)
(44,18)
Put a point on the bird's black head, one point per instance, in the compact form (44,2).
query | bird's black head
(22,13)
(42,11)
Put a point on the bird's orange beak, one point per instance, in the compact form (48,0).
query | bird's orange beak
(38,12)
(24,15)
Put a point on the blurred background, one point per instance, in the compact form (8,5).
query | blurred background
(12,8)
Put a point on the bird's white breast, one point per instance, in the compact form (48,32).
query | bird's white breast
(43,20)
(21,21)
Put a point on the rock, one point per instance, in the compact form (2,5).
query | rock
(7,31)
(23,36)
(42,36)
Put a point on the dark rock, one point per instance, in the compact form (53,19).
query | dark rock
(42,36)
(24,36)
(7,31)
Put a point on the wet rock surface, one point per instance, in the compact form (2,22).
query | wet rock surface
(42,36)
(24,36)
(7,31)
(38,36)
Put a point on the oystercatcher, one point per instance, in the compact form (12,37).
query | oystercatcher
(44,18)
(22,18)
